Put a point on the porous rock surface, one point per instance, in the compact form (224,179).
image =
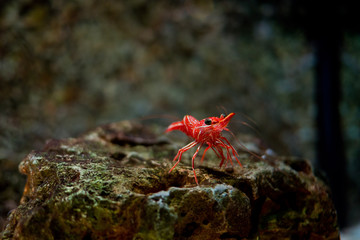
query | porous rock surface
(113,183)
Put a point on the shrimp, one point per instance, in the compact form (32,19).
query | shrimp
(206,131)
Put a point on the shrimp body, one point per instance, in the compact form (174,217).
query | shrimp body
(206,131)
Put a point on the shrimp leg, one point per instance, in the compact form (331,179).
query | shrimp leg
(181,151)
(202,158)
(193,164)
(228,145)
(220,151)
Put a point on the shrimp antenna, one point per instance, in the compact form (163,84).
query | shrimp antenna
(159,116)
(249,118)
(224,110)
(243,146)
(252,128)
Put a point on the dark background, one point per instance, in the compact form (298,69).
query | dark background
(289,68)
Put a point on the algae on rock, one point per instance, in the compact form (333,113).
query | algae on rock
(113,183)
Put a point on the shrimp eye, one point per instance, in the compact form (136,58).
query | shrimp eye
(207,121)
(222,115)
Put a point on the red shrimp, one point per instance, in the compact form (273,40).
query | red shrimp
(206,131)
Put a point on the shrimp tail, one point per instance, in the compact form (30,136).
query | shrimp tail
(176,126)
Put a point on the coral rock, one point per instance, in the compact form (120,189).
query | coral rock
(113,183)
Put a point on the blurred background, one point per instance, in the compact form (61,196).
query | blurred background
(289,68)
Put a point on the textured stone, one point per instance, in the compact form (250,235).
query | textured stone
(113,183)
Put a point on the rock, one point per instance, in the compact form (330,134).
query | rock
(113,183)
